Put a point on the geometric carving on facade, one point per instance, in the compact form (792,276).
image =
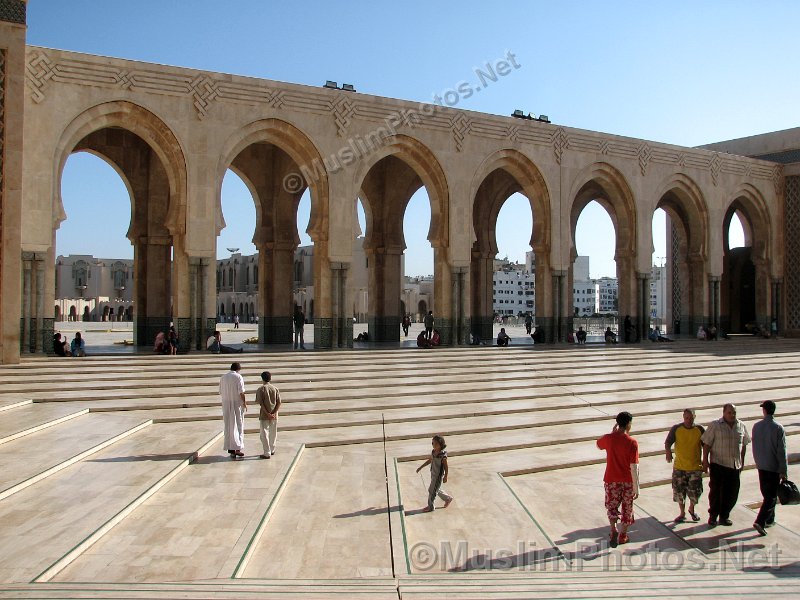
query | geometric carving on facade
(604,147)
(343,112)
(792,255)
(777,178)
(38,73)
(644,155)
(461,127)
(512,133)
(204,92)
(715,165)
(560,142)
(13,11)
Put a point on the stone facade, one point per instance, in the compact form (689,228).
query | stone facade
(173,133)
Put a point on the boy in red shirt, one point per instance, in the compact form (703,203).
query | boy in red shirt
(621,480)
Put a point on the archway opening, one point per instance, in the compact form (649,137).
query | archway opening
(237,259)
(513,277)
(738,284)
(94,265)
(397,213)
(594,284)
(659,273)
(103,271)
(417,264)
(303,282)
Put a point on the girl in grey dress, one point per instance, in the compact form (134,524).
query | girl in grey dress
(438,463)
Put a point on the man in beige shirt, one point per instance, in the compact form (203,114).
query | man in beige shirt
(269,400)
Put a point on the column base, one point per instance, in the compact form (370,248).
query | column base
(323,333)
(29,346)
(183,327)
(384,329)
(483,327)
(445,328)
(145,330)
(275,330)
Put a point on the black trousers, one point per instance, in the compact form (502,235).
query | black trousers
(723,490)
(768,482)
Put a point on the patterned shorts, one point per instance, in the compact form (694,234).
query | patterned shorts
(619,495)
(687,483)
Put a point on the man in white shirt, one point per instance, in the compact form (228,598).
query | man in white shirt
(231,391)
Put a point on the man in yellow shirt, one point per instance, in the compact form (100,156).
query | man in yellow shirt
(687,471)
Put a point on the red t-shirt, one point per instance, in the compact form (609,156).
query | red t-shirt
(621,452)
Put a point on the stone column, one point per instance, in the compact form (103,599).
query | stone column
(276,282)
(482,305)
(39,307)
(777,308)
(342,330)
(714,304)
(193,333)
(644,305)
(384,293)
(27,302)
(459,303)
(442,295)
(561,314)
(12,109)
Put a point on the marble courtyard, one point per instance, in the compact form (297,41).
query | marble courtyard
(114,483)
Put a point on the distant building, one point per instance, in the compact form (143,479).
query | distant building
(608,302)
(514,288)
(93,289)
(658,303)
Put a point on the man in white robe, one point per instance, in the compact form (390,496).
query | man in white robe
(231,391)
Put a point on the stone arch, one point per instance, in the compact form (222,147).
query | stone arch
(143,123)
(385,182)
(500,175)
(687,251)
(426,166)
(278,162)
(605,184)
(524,177)
(749,202)
(151,160)
(608,186)
(294,142)
(744,292)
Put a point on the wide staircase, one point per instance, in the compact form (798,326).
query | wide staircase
(114,482)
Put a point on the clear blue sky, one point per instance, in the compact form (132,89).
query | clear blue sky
(680,72)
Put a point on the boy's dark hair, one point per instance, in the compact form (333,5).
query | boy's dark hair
(235,366)
(440,440)
(266,376)
(624,418)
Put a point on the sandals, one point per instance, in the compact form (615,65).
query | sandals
(695,516)
(680,519)
(614,539)
(623,538)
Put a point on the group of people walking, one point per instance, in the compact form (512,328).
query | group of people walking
(718,450)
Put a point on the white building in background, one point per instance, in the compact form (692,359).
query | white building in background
(608,301)
(658,296)
(514,289)
(93,289)
(585,298)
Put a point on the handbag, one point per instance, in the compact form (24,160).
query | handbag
(788,493)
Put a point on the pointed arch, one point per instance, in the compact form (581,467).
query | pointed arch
(425,165)
(608,186)
(508,171)
(299,147)
(151,129)
(681,197)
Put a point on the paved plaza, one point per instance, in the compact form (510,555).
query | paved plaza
(115,482)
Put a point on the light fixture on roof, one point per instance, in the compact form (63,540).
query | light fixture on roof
(543,119)
(331,85)
(348,87)
(518,114)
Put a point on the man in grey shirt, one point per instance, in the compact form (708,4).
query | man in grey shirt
(769,452)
